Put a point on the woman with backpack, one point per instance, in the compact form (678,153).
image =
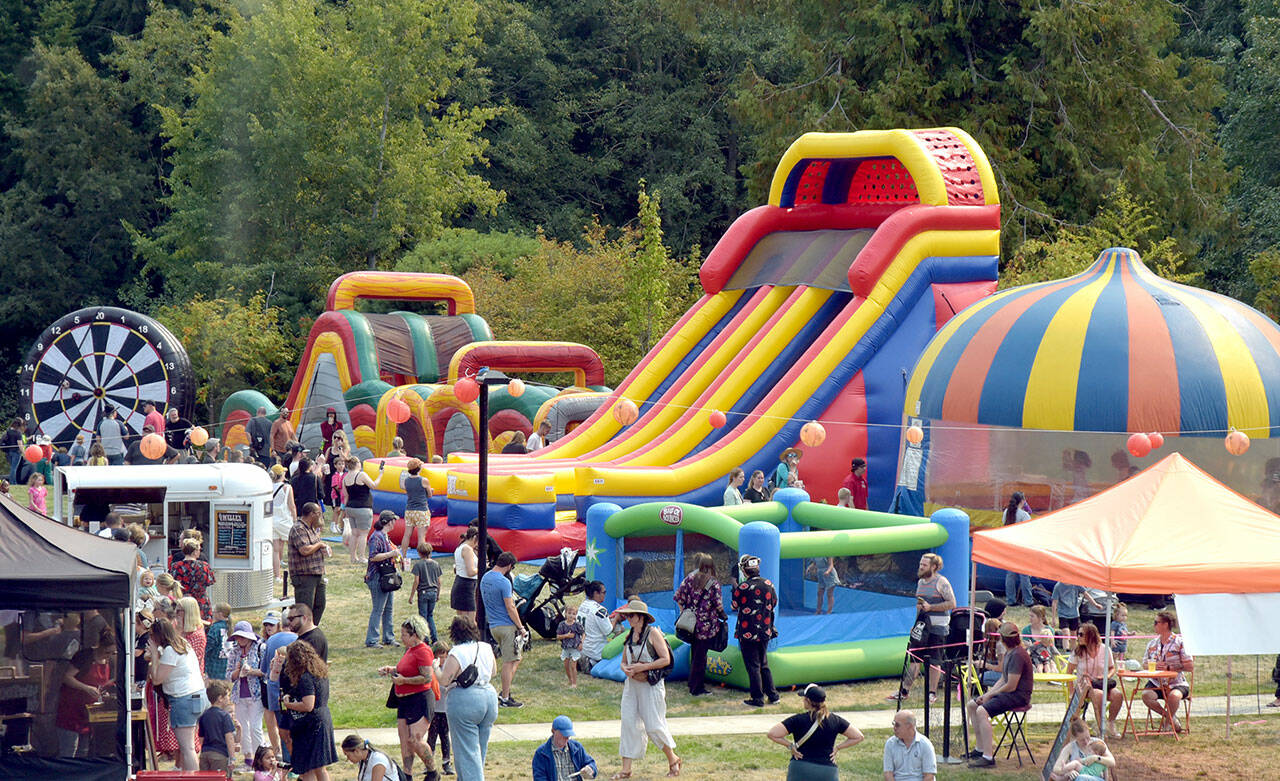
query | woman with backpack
(644,696)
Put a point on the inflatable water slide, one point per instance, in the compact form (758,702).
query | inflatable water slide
(815,308)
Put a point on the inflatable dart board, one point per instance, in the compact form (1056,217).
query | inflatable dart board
(100,356)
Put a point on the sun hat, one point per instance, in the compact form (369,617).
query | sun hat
(244,629)
(789,452)
(636,607)
(814,693)
(563,725)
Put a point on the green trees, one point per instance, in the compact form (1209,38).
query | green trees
(316,142)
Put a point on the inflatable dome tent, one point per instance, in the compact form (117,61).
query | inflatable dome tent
(1037,389)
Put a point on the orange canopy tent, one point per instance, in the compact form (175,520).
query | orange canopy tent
(1171,528)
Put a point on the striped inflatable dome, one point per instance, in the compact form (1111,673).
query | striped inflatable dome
(1113,349)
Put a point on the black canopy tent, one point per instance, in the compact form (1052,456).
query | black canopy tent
(58,588)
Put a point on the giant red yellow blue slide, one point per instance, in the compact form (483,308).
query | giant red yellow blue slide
(815,308)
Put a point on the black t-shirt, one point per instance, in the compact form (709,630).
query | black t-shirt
(213,726)
(141,664)
(316,639)
(307,685)
(817,749)
(306,488)
(175,432)
(754,496)
(133,456)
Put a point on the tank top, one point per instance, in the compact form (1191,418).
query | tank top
(359,496)
(280,501)
(460,565)
(415,494)
(928,590)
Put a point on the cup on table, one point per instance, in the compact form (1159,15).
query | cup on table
(1151,665)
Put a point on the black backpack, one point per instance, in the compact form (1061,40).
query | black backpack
(396,772)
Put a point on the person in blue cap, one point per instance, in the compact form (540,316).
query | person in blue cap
(560,758)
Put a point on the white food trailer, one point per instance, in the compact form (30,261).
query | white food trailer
(229,503)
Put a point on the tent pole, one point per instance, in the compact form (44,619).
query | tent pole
(1228,698)
(1106,647)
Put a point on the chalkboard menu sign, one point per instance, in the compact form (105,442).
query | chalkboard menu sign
(231,534)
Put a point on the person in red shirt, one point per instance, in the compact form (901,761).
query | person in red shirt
(414,694)
(856,482)
(154,419)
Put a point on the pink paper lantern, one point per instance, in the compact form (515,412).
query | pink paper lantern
(1237,443)
(716,418)
(1157,440)
(466,390)
(813,434)
(625,412)
(1139,445)
(515,388)
(397,410)
(915,435)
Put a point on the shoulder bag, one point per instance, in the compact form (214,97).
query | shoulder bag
(389,577)
(686,625)
(658,675)
(467,676)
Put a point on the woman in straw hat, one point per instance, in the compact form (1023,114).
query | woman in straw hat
(645,649)
(788,471)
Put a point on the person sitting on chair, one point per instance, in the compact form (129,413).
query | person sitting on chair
(1012,691)
(1166,650)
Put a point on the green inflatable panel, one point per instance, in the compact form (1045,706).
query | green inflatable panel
(803,664)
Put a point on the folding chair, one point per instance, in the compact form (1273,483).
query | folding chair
(1014,720)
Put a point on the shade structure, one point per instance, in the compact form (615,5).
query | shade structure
(1171,528)
(1113,349)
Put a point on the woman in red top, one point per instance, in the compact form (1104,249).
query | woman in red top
(87,675)
(195,575)
(414,695)
(856,482)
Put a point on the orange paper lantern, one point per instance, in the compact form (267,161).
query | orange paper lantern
(625,412)
(813,434)
(397,410)
(515,388)
(1157,440)
(716,418)
(466,390)
(1139,445)
(198,436)
(915,435)
(33,453)
(153,446)
(1237,443)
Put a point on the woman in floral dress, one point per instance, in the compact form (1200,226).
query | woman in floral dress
(195,575)
(700,592)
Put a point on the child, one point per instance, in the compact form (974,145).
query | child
(1091,765)
(823,569)
(426,584)
(844,498)
(218,730)
(569,632)
(264,765)
(147,593)
(36,493)
(1039,638)
(4,487)
(215,652)
(1120,631)
(440,720)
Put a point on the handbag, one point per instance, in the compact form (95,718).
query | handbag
(467,675)
(389,577)
(657,676)
(393,699)
(686,625)
(721,639)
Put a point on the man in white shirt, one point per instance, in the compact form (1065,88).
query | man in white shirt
(908,755)
(538,439)
(596,624)
(111,521)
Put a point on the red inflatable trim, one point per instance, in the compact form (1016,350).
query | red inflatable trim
(532,356)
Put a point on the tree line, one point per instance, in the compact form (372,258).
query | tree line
(183,157)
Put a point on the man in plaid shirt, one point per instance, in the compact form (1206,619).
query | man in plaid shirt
(307,553)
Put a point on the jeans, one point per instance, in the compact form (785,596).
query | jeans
(72,743)
(755,658)
(116,459)
(15,457)
(698,666)
(381,613)
(309,590)
(427,609)
(472,712)
(1023,582)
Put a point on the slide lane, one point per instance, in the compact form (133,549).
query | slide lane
(808,388)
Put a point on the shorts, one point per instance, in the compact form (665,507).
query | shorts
(361,518)
(463,594)
(1181,687)
(185,711)
(417,518)
(1097,684)
(212,760)
(415,707)
(1065,624)
(1003,703)
(933,636)
(570,654)
(828,579)
(508,648)
(280,529)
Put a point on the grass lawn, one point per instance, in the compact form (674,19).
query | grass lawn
(1251,754)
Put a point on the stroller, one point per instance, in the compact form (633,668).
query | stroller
(543,612)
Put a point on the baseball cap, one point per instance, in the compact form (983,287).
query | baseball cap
(815,693)
(272,617)
(563,725)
